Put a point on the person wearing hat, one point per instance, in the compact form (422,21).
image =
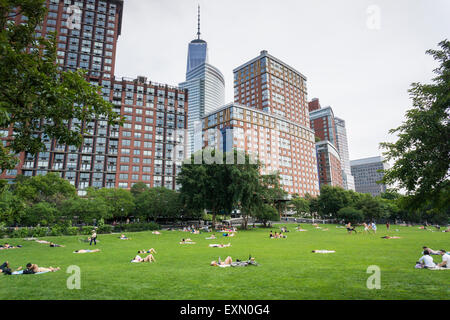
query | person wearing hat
(93,238)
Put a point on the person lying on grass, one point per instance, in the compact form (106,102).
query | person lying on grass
(217,263)
(6,269)
(156,232)
(220,245)
(211,238)
(42,241)
(34,268)
(323,251)
(150,258)
(187,241)
(430,251)
(151,250)
(228,234)
(389,237)
(86,251)
(8,246)
(124,237)
(53,245)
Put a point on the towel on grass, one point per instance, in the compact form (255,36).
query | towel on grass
(21,272)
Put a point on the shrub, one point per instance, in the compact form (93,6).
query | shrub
(72,231)
(105,228)
(39,232)
(56,230)
(133,227)
(87,230)
(19,233)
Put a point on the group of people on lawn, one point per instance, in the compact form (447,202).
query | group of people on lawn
(426,261)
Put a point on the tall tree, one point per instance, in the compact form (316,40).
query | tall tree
(37,98)
(421,154)
(207,185)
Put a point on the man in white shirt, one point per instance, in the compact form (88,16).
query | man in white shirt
(445,259)
(427,261)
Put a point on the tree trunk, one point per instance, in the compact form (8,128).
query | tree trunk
(214,220)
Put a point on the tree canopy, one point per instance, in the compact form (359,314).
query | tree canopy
(37,97)
(421,154)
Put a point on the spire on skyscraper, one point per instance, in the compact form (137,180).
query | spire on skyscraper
(198,23)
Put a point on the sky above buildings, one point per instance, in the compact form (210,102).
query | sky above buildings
(359,56)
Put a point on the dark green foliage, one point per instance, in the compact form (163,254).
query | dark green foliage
(349,214)
(421,155)
(36,96)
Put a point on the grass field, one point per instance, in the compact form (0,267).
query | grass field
(288,269)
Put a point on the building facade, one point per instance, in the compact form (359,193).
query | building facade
(365,172)
(205,85)
(342,146)
(323,124)
(274,92)
(328,164)
(281,145)
(267,83)
(149,146)
(206,88)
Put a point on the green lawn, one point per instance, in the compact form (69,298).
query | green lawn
(288,269)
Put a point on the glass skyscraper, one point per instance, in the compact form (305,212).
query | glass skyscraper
(206,88)
(342,145)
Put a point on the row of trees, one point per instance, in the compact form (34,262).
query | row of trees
(48,199)
(215,188)
(347,205)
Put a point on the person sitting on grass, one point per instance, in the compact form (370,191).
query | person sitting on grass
(389,237)
(211,238)
(374,227)
(323,251)
(86,251)
(220,245)
(124,237)
(350,228)
(150,258)
(366,227)
(54,245)
(445,259)
(430,251)
(271,235)
(34,268)
(151,250)
(187,241)
(217,263)
(427,261)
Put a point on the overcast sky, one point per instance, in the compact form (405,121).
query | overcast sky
(359,56)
